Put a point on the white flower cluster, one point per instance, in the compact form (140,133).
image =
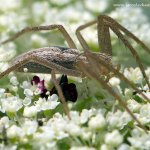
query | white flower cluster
(103,128)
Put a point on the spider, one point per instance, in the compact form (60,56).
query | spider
(70,61)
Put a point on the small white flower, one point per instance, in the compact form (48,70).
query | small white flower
(86,134)
(73,129)
(75,117)
(133,105)
(105,147)
(26,85)
(82,148)
(28,93)
(53,101)
(114,81)
(42,7)
(133,75)
(96,5)
(3,66)
(44,136)
(14,88)
(145,114)
(113,119)
(97,122)
(128,93)
(145,110)
(114,138)
(3,146)
(29,127)
(124,147)
(118,119)
(50,103)
(84,116)
(139,139)
(9,5)
(30,111)
(14,81)
(11,104)
(60,135)
(60,2)
(37,91)
(27,101)
(2,91)
(147,71)
(4,122)
(57,123)
(25,70)
(15,132)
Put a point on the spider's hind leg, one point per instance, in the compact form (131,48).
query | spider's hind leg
(95,74)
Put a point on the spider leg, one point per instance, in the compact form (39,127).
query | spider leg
(104,40)
(133,51)
(116,29)
(94,73)
(42,28)
(98,61)
(103,24)
(51,65)
(104,36)
(127,32)
(80,37)
(60,93)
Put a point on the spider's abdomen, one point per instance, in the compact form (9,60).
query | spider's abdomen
(61,56)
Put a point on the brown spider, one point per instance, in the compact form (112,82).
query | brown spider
(70,61)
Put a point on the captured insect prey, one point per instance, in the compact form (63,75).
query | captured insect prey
(69,90)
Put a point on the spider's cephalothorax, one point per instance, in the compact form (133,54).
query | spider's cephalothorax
(70,61)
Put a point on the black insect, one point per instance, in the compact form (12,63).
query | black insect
(69,89)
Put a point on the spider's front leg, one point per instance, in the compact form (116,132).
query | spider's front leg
(48,64)
(63,31)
